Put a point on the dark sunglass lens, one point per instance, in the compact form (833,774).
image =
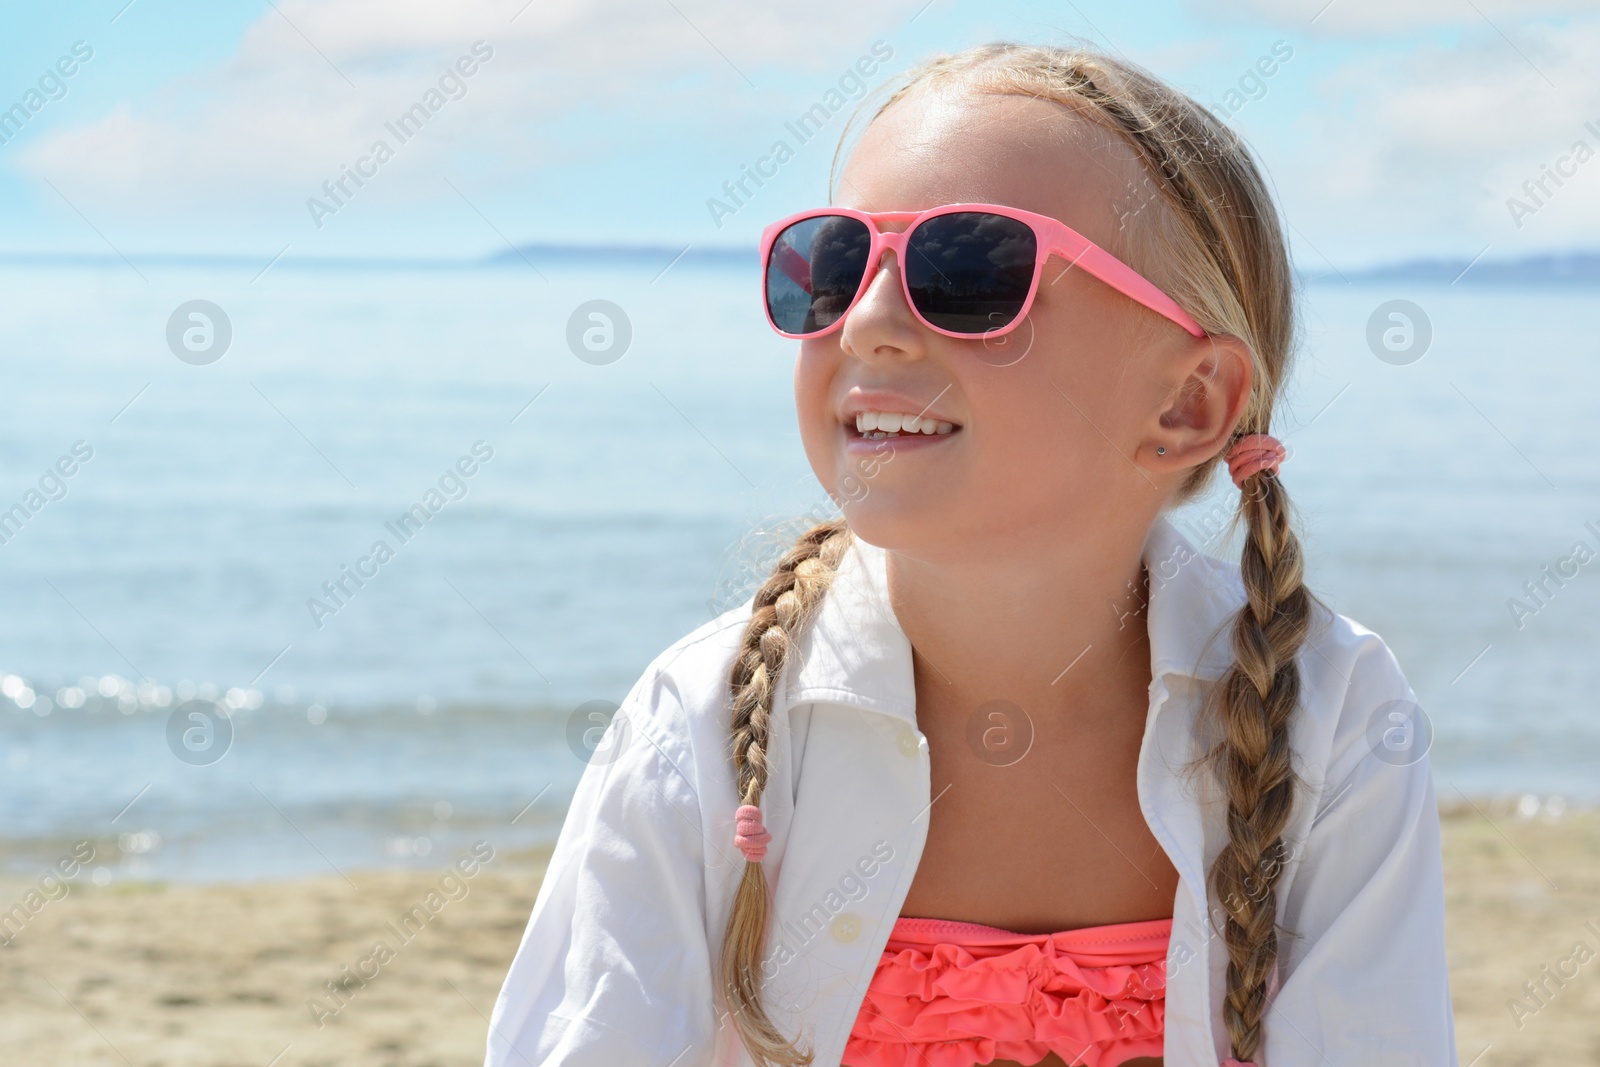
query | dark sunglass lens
(970,271)
(814,271)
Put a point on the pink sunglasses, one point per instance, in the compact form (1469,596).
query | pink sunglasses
(968,270)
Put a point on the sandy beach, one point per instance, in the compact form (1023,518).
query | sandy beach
(237,976)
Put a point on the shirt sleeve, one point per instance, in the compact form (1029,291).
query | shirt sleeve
(1366,980)
(614,965)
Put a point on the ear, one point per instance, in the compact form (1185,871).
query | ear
(1213,375)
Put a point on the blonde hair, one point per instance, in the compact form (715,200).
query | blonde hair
(1214,243)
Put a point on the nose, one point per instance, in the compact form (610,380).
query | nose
(881,325)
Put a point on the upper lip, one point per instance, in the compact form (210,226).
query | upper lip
(858,400)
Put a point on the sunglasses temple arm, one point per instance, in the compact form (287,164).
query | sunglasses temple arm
(1130,283)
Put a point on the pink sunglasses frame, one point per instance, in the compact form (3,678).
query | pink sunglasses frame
(1052,236)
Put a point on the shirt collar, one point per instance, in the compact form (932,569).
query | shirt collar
(855,653)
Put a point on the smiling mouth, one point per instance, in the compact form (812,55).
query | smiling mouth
(884,425)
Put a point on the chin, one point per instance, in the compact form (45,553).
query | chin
(914,525)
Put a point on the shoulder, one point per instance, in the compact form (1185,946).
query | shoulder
(1356,699)
(680,702)
(1353,691)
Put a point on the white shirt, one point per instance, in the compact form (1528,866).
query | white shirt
(617,965)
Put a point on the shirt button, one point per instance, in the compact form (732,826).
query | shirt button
(909,742)
(846,928)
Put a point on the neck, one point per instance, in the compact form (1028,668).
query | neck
(1057,629)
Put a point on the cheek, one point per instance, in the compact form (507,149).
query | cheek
(812,372)
(1039,447)
(1025,444)
(813,377)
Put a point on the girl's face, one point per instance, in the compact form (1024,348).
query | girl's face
(1056,424)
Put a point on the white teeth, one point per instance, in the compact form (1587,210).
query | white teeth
(885,423)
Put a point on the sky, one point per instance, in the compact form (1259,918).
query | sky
(1390,129)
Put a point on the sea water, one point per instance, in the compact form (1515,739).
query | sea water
(205,548)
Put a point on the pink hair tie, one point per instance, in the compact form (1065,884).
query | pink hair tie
(751,835)
(1252,454)
(1231,1062)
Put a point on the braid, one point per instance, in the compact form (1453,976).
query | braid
(1256,700)
(780,609)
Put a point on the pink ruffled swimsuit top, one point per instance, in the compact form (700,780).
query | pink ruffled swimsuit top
(956,994)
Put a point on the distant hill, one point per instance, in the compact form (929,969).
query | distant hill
(1578,267)
(629,255)
(1546,269)
(1565,268)
(1562,268)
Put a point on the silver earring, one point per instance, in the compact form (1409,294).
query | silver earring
(1161,450)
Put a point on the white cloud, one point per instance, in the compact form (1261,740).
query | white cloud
(1422,145)
(1409,144)
(314,81)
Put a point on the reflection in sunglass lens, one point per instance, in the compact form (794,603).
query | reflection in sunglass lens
(970,271)
(814,271)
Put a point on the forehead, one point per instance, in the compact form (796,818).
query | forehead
(957,145)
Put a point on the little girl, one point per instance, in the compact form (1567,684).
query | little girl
(998,767)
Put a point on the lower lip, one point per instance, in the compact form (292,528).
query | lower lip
(854,443)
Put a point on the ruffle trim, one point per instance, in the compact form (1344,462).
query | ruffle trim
(1018,997)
